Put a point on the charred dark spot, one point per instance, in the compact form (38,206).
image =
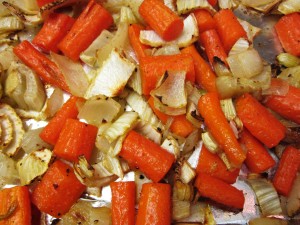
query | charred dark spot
(79,216)
(55,186)
(159,98)
(196,116)
(55,221)
(218,60)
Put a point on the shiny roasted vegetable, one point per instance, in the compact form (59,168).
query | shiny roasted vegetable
(34,165)
(85,214)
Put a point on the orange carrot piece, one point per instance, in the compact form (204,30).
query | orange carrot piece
(258,159)
(162,116)
(205,20)
(213,2)
(162,19)
(58,190)
(213,165)
(153,68)
(288,105)
(210,40)
(180,125)
(44,67)
(219,191)
(287,170)
(144,154)
(259,121)
(76,138)
(55,27)
(214,118)
(205,76)
(228,28)
(154,205)
(134,38)
(123,203)
(51,131)
(93,19)
(288,31)
(16,199)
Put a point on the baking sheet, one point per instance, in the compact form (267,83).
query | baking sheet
(268,46)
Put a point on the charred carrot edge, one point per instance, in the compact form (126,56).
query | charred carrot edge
(259,121)
(160,18)
(288,105)
(16,200)
(155,204)
(55,27)
(153,67)
(288,29)
(213,47)
(214,118)
(205,20)
(123,203)
(44,67)
(180,125)
(51,131)
(205,76)
(76,138)
(85,30)
(58,190)
(287,170)
(149,157)
(258,158)
(134,38)
(219,191)
(228,28)
(213,165)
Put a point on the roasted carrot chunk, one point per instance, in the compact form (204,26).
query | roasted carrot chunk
(149,157)
(76,139)
(160,18)
(213,165)
(210,109)
(47,70)
(204,75)
(154,67)
(219,191)
(51,131)
(154,205)
(258,159)
(93,19)
(55,27)
(123,203)
(58,190)
(228,28)
(259,121)
(15,206)
(288,31)
(287,170)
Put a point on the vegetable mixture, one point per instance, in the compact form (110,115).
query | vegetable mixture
(147,112)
